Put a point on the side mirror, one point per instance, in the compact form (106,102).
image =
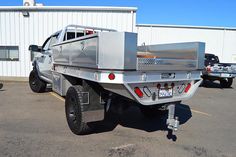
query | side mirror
(34,48)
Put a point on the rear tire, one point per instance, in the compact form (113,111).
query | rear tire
(73,111)
(204,83)
(36,84)
(226,83)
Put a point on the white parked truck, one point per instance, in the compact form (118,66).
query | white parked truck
(94,68)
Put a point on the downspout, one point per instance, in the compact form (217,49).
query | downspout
(150,42)
(132,12)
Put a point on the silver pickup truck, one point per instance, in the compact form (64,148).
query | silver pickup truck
(95,68)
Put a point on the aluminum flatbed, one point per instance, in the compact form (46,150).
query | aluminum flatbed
(95,67)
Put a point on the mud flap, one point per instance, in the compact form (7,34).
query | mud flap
(92,106)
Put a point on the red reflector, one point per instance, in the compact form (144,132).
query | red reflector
(138,92)
(187,88)
(111,76)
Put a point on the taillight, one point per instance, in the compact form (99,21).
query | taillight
(111,76)
(158,85)
(187,88)
(208,69)
(138,92)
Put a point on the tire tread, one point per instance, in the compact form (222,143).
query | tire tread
(83,127)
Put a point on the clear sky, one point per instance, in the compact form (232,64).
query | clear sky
(173,12)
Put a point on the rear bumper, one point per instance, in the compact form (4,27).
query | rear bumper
(127,90)
(220,75)
(177,96)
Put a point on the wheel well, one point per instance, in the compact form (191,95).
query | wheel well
(73,80)
(78,81)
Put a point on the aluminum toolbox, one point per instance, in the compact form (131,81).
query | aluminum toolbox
(102,50)
(176,56)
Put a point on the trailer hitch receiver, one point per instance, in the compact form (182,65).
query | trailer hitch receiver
(172,122)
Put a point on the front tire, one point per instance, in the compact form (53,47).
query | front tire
(73,111)
(36,84)
(226,83)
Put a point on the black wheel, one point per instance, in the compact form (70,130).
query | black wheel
(152,111)
(226,83)
(73,111)
(36,84)
(204,83)
(1,85)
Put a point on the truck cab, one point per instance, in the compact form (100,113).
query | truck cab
(42,62)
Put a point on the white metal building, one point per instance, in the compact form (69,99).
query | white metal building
(219,41)
(24,25)
(21,26)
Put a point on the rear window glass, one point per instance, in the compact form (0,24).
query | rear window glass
(71,35)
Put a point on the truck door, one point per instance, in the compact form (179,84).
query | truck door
(45,63)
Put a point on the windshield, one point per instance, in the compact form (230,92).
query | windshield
(46,44)
(50,41)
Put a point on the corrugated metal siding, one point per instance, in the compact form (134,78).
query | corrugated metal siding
(15,29)
(218,41)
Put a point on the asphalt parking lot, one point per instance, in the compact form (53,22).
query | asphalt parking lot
(35,125)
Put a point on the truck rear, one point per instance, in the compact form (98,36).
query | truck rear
(214,70)
(102,67)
